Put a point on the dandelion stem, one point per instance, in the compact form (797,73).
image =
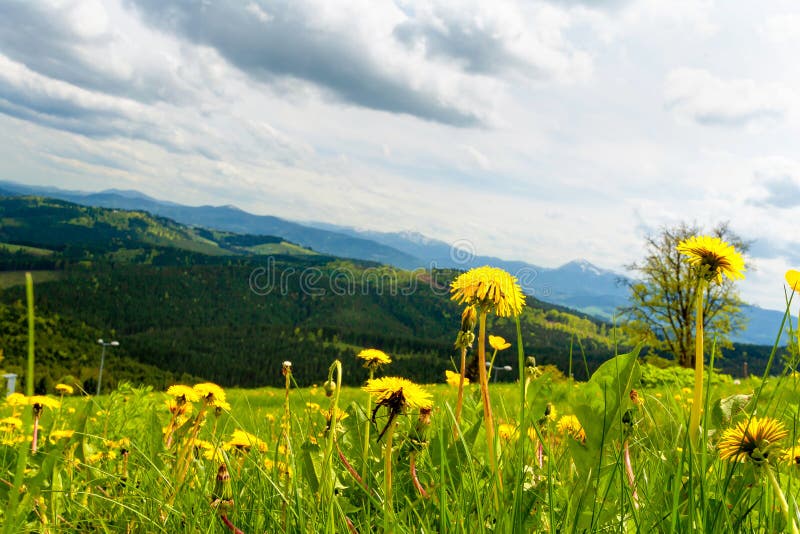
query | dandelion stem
(388,516)
(415,478)
(694,418)
(629,472)
(487,406)
(781,498)
(463,370)
(365,454)
(230,525)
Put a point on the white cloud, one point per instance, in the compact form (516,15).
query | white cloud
(700,96)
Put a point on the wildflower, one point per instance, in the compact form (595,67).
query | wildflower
(498,343)
(754,439)
(244,441)
(714,257)
(791,455)
(374,358)
(57,435)
(286,368)
(12,423)
(507,431)
(570,426)
(313,406)
(396,394)
(220,406)
(17,399)
(490,288)
(64,389)
(210,392)
(330,388)
(793,279)
(39,402)
(453,379)
(340,414)
(183,394)
(636,399)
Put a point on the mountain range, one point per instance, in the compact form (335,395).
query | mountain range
(578,284)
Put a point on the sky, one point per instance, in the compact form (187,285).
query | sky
(542,131)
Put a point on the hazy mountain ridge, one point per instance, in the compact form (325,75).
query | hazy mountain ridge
(577,284)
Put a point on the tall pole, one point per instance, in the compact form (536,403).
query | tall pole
(103,359)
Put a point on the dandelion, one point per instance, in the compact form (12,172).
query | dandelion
(569,425)
(222,497)
(454,379)
(209,392)
(16,399)
(712,258)
(488,289)
(507,431)
(183,394)
(791,455)
(244,441)
(11,423)
(64,389)
(374,358)
(395,394)
(793,279)
(57,435)
(498,343)
(756,440)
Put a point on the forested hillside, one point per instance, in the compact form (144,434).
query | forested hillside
(230,308)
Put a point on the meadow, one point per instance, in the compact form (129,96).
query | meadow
(602,459)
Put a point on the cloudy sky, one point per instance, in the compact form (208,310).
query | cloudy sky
(537,130)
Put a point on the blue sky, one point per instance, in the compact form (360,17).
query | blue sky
(537,130)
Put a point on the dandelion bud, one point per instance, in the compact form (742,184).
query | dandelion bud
(222,497)
(635,398)
(287,368)
(469,318)
(330,388)
(419,435)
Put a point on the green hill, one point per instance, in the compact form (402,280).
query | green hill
(189,301)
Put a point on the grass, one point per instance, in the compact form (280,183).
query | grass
(115,473)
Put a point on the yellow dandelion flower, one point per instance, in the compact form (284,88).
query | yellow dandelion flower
(498,343)
(210,392)
(13,423)
(57,435)
(714,256)
(397,393)
(374,358)
(490,288)
(215,454)
(507,431)
(64,389)
(313,406)
(242,440)
(340,414)
(791,455)
(569,425)
(40,401)
(454,378)
(220,405)
(752,440)
(793,279)
(122,443)
(183,393)
(17,399)
(270,417)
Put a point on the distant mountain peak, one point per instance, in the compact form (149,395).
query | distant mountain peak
(584,266)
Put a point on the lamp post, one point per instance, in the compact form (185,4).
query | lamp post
(497,368)
(103,359)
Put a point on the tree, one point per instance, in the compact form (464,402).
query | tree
(662,297)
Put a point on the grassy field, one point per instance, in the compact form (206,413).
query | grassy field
(131,461)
